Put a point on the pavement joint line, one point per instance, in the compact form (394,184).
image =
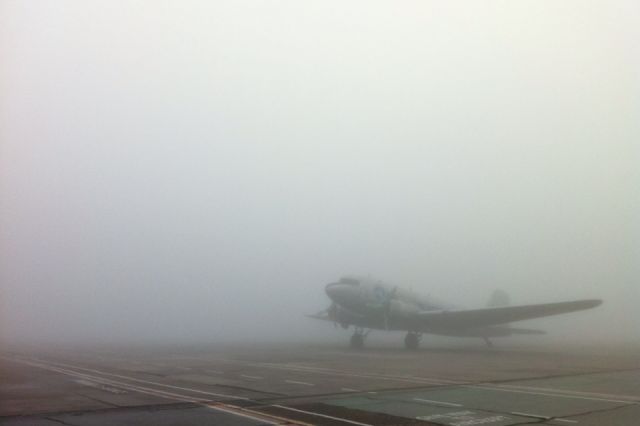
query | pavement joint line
(448,404)
(295,382)
(312,413)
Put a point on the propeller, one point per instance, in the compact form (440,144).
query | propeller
(386,307)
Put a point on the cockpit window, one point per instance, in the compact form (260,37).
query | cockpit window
(349,281)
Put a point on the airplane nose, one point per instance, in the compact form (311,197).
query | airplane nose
(332,290)
(338,292)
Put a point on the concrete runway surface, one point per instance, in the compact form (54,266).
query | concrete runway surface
(321,384)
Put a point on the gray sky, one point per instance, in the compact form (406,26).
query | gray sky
(199,170)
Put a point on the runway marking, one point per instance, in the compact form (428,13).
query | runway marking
(230,409)
(184,368)
(246,376)
(122,385)
(149,381)
(535,416)
(214,371)
(233,407)
(350,390)
(311,413)
(565,420)
(466,418)
(295,382)
(551,394)
(589,394)
(217,406)
(100,386)
(448,404)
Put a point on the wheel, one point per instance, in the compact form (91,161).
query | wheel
(412,341)
(357,341)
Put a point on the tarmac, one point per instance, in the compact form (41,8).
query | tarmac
(321,384)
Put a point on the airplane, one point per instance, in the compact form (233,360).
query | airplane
(369,304)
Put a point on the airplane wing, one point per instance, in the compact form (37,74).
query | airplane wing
(473,318)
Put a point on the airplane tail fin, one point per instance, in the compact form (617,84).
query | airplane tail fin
(498,299)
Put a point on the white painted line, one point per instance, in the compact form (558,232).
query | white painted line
(570,392)
(100,386)
(311,413)
(350,390)
(266,418)
(565,420)
(263,417)
(148,381)
(550,394)
(295,382)
(430,401)
(284,420)
(535,416)
(246,376)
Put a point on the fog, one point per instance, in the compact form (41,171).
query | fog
(198,171)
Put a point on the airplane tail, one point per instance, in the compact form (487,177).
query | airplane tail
(498,299)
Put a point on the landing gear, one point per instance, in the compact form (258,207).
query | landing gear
(357,340)
(412,341)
